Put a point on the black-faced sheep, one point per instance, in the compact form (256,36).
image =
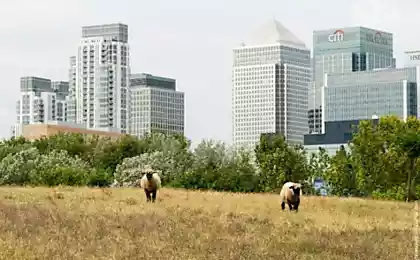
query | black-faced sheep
(150,182)
(291,193)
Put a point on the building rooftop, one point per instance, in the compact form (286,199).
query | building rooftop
(148,80)
(273,32)
(114,31)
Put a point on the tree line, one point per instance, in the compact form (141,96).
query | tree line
(380,162)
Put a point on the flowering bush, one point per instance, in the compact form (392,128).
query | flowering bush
(16,168)
(130,171)
(58,167)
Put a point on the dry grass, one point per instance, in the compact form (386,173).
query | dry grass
(67,223)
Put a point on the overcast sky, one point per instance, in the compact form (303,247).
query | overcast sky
(190,40)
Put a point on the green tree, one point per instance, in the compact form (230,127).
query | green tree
(409,142)
(319,163)
(341,176)
(280,162)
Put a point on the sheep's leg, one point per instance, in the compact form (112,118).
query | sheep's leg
(147,195)
(283,205)
(296,206)
(153,196)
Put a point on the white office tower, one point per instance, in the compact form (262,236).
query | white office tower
(156,105)
(271,74)
(41,101)
(102,78)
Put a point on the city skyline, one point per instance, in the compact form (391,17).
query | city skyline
(170,50)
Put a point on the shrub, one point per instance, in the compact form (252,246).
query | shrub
(129,172)
(99,177)
(57,168)
(16,168)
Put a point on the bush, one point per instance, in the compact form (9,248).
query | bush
(99,178)
(16,168)
(130,171)
(57,168)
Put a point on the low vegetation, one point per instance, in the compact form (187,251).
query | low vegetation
(382,162)
(84,223)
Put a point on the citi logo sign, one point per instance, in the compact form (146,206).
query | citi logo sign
(337,36)
(377,38)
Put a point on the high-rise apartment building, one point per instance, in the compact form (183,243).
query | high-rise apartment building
(99,78)
(271,74)
(71,98)
(41,100)
(342,50)
(155,105)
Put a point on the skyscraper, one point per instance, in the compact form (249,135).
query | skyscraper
(271,74)
(342,50)
(156,105)
(99,78)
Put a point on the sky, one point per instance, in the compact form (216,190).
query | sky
(188,40)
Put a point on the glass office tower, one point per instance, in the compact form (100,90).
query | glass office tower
(343,50)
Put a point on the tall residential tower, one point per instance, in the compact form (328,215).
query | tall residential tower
(271,74)
(99,78)
(41,101)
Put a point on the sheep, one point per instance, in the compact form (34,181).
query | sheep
(291,193)
(150,182)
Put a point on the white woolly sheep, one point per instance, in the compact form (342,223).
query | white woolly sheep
(150,182)
(291,193)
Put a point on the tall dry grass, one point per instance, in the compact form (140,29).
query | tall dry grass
(82,223)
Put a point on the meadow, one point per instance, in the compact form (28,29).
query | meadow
(85,223)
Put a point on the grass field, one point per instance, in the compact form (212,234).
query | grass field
(82,223)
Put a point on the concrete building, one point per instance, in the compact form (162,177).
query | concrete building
(271,74)
(359,95)
(155,105)
(346,50)
(99,78)
(41,100)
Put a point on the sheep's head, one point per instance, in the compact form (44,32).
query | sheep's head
(296,190)
(149,175)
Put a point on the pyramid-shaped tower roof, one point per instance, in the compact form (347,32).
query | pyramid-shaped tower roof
(273,32)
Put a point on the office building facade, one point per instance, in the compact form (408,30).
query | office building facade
(99,78)
(359,95)
(155,105)
(346,50)
(271,74)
